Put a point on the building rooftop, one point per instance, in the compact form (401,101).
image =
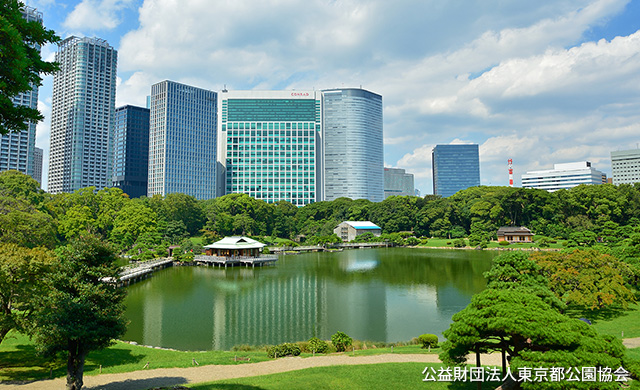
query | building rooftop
(236,242)
(363,224)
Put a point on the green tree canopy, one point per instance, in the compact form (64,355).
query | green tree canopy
(20,64)
(588,278)
(81,313)
(21,284)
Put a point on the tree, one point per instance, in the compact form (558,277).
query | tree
(20,64)
(21,283)
(23,224)
(81,313)
(588,278)
(533,334)
(16,184)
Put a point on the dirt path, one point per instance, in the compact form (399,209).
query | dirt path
(179,376)
(631,343)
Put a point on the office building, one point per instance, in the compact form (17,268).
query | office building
(84,93)
(625,166)
(272,144)
(353,156)
(455,168)
(398,182)
(37,165)
(182,140)
(17,149)
(563,176)
(131,150)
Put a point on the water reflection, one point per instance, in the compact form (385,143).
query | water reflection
(374,294)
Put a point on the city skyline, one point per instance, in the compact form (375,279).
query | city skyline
(537,83)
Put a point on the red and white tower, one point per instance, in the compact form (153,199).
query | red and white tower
(510,163)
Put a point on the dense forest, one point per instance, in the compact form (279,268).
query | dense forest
(604,215)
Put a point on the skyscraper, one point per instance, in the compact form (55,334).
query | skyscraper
(625,166)
(273,144)
(37,165)
(131,150)
(398,182)
(352,142)
(17,149)
(84,93)
(455,168)
(182,140)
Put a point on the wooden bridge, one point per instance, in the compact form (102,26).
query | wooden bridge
(221,261)
(138,271)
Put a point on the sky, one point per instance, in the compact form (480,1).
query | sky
(539,82)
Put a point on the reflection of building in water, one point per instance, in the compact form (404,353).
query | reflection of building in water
(358,309)
(450,300)
(276,311)
(412,312)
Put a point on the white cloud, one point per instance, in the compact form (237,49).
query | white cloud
(513,77)
(96,15)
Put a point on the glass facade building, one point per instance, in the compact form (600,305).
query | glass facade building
(131,150)
(455,168)
(353,155)
(37,165)
(84,93)
(182,140)
(272,141)
(17,149)
(398,182)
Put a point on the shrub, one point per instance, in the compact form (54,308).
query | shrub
(411,241)
(341,341)
(459,243)
(286,349)
(428,340)
(503,243)
(317,345)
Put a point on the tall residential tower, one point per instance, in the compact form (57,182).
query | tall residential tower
(353,155)
(182,140)
(17,149)
(84,94)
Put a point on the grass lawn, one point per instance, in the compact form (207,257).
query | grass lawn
(19,361)
(448,243)
(367,376)
(614,322)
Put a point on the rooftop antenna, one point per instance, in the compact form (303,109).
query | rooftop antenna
(224,89)
(510,164)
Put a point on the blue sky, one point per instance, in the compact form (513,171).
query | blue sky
(540,82)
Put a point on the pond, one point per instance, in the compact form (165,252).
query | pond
(389,294)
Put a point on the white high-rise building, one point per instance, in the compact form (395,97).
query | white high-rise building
(563,176)
(84,95)
(625,166)
(182,140)
(17,149)
(353,155)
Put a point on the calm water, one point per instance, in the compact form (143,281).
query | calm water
(387,295)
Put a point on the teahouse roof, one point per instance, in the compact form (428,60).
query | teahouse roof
(514,230)
(236,243)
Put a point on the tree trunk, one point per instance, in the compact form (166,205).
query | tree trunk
(75,365)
